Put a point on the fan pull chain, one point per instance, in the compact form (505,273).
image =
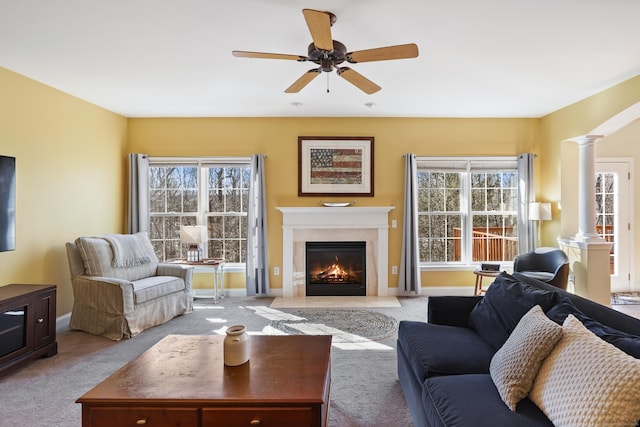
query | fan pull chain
(327,82)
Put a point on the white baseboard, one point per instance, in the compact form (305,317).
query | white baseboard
(62,322)
(447,290)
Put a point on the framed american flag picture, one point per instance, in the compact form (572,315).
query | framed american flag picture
(335,166)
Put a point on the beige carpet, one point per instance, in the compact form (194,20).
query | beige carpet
(365,390)
(335,302)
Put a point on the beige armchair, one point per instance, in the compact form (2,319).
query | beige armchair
(120,288)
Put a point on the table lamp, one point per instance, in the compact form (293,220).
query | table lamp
(193,235)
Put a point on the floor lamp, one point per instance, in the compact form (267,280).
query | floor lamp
(539,212)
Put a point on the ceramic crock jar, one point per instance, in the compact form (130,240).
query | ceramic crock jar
(236,346)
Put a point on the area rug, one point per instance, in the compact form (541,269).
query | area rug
(343,324)
(335,302)
(621,298)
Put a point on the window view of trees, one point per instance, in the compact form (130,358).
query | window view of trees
(467,216)
(173,196)
(213,195)
(494,207)
(439,216)
(228,189)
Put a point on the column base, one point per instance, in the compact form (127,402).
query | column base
(589,268)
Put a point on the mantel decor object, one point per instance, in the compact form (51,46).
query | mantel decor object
(337,204)
(335,166)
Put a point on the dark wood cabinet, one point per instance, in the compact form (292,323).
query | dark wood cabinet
(27,324)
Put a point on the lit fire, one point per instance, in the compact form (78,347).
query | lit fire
(335,273)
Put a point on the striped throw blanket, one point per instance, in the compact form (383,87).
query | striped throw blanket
(130,250)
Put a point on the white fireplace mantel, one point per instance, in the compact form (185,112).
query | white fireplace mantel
(302,224)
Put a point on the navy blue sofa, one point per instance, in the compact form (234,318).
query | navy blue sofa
(443,363)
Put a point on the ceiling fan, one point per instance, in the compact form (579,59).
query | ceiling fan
(329,54)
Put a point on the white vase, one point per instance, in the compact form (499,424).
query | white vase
(236,346)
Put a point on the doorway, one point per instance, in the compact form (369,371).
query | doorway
(613,217)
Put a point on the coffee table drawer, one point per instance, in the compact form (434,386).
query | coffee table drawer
(260,417)
(147,417)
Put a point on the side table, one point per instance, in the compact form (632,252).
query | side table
(215,264)
(480,274)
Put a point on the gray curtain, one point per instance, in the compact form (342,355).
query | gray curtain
(409,279)
(257,250)
(526,195)
(138,206)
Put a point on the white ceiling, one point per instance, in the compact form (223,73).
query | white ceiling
(172,58)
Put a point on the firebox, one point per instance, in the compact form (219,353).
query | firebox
(336,268)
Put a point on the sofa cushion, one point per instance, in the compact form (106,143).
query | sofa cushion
(153,287)
(473,401)
(586,381)
(538,275)
(98,257)
(628,343)
(515,366)
(452,310)
(506,301)
(443,350)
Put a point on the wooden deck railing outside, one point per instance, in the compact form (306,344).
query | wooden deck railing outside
(488,245)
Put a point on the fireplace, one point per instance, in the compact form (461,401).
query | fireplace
(336,268)
(321,224)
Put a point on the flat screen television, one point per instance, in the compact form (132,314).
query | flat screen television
(7,203)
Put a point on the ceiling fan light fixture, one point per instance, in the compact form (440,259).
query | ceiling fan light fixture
(329,54)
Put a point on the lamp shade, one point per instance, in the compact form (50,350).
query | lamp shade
(193,234)
(539,211)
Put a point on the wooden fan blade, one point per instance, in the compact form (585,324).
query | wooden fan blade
(402,51)
(306,78)
(319,24)
(264,55)
(358,80)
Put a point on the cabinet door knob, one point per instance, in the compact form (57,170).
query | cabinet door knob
(40,320)
(141,421)
(254,422)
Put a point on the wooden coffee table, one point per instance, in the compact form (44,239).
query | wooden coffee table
(182,381)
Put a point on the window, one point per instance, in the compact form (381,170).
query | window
(467,210)
(211,192)
(606,190)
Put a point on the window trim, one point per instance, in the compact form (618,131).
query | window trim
(466,165)
(203,162)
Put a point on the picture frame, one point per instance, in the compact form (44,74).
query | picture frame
(335,166)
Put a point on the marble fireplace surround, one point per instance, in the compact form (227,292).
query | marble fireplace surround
(313,224)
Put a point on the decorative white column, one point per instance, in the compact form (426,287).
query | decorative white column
(588,252)
(586,189)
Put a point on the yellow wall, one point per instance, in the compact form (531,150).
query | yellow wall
(70,158)
(559,160)
(278,139)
